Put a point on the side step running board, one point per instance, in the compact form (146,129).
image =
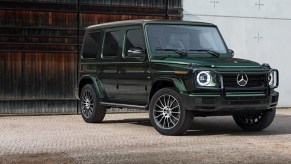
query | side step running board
(122,105)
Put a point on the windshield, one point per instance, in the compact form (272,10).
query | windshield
(186,38)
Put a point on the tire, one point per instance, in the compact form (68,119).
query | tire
(91,109)
(254,121)
(167,113)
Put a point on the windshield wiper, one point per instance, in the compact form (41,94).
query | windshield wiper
(180,52)
(211,52)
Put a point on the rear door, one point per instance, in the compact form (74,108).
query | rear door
(107,68)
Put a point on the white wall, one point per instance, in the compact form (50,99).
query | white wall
(241,21)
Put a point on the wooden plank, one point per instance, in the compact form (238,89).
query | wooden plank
(15,18)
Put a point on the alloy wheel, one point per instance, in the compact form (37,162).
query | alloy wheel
(166,111)
(87,103)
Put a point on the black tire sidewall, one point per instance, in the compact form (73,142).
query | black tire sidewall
(266,121)
(185,117)
(99,111)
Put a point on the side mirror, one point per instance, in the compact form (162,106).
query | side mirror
(136,52)
(231,52)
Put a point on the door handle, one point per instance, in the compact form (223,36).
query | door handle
(122,71)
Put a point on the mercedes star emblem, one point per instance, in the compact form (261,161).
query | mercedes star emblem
(242,80)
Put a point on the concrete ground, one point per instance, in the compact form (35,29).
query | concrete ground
(130,138)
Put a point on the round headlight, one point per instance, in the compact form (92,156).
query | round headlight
(271,78)
(203,78)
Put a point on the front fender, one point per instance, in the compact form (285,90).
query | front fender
(176,81)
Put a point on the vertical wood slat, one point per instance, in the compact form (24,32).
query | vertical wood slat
(38,107)
(39,48)
(49,76)
(10,75)
(37,75)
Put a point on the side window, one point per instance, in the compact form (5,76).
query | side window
(91,45)
(111,44)
(134,39)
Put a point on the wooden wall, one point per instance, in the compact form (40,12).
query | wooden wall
(39,45)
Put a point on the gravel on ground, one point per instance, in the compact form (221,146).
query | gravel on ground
(130,138)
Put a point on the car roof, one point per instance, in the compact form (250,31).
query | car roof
(145,21)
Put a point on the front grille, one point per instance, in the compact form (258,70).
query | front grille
(254,80)
(255,83)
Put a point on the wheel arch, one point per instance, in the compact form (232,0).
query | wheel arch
(92,79)
(165,82)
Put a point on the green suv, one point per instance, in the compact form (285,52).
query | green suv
(175,69)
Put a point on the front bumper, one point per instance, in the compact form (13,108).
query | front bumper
(230,102)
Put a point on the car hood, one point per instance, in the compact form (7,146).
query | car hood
(209,62)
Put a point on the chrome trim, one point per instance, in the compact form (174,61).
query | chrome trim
(221,82)
(242,79)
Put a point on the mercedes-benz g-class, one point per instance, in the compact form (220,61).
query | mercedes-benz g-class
(175,69)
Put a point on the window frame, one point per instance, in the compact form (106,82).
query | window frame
(158,53)
(119,43)
(99,48)
(124,56)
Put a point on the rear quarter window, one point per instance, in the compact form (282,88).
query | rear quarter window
(92,45)
(111,44)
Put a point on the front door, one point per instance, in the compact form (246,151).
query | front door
(132,72)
